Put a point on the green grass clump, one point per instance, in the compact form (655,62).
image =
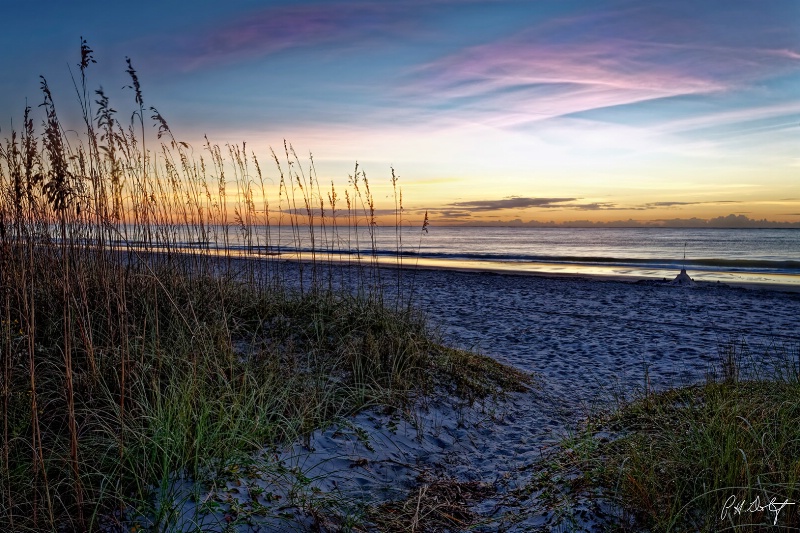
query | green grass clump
(136,351)
(707,457)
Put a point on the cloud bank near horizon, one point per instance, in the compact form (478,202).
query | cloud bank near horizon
(466,208)
(731,221)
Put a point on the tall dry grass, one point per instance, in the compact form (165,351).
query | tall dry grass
(149,327)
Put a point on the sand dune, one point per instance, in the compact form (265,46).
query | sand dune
(587,339)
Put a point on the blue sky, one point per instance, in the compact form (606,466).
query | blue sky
(488,110)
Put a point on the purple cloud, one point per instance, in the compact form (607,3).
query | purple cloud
(511,203)
(655,205)
(276,29)
(516,202)
(605,59)
(450,214)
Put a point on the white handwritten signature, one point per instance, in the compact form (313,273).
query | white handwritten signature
(735,507)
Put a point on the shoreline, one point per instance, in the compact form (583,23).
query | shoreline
(775,281)
(792,285)
(751,281)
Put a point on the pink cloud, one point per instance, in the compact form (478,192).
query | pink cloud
(273,30)
(786,53)
(592,61)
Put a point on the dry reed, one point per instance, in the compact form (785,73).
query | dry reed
(151,326)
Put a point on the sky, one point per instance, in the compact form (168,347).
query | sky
(490,112)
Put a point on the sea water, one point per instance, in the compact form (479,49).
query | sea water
(646,252)
(734,255)
(708,254)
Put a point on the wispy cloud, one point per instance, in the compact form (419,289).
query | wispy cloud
(743,117)
(563,204)
(516,202)
(598,60)
(511,203)
(669,204)
(599,206)
(312,26)
(451,214)
(656,205)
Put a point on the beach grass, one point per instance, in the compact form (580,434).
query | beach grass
(131,358)
(721,455)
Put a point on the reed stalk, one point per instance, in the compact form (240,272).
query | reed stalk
(145,335)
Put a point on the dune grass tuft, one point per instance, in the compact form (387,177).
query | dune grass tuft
(723,455)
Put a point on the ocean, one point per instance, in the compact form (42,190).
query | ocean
(726,255)
(746,255)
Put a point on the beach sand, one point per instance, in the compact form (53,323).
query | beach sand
(587,339)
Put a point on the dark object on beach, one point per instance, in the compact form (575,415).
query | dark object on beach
(683,279)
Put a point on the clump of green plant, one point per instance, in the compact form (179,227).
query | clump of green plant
(719,455)
(150,327)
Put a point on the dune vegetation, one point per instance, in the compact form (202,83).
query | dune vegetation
(723,455)
(139,344)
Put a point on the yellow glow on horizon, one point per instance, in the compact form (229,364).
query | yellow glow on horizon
(637,173)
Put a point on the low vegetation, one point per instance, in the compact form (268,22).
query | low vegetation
(723,455)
